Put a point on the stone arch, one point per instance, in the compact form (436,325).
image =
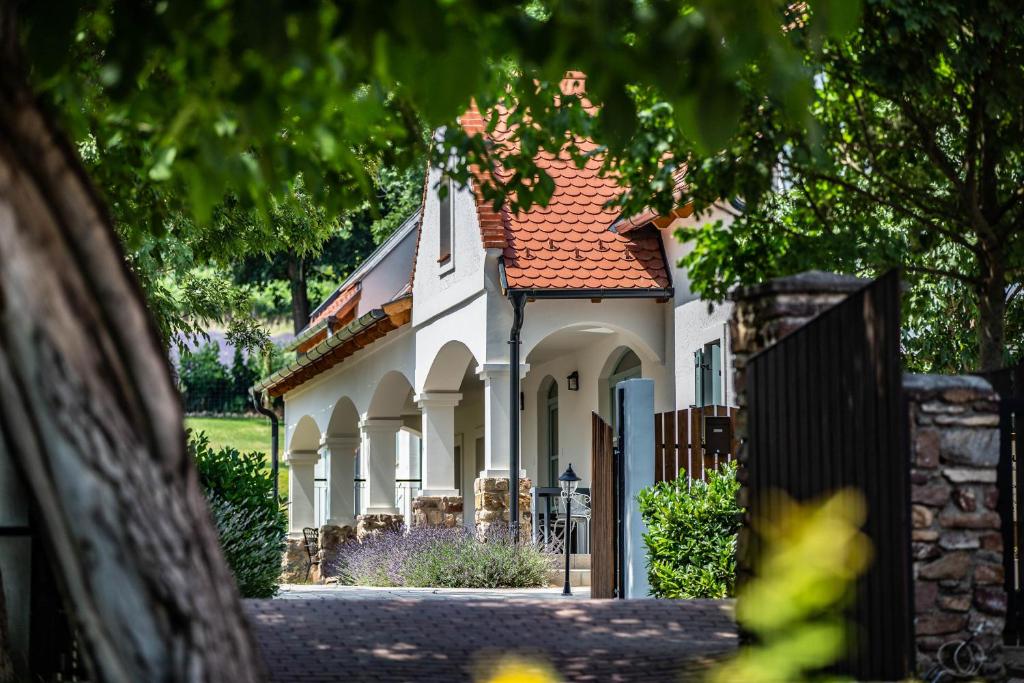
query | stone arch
(344,419)
(448,367)
(391,397)
(305,435)
(573,332)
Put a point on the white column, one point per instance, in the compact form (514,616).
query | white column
(438,442)
(300,490)
(340,452)
(497,416)
(379,442)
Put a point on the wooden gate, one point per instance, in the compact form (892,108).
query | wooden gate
(604,511)
(693,441)
(826,412)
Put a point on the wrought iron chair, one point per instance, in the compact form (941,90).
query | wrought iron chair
(311,536)
(580,517)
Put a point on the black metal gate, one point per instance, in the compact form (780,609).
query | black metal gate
(1009,384)
(826,412)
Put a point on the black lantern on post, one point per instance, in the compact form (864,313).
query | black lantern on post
(568,481)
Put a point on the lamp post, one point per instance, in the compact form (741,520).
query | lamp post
(568,481)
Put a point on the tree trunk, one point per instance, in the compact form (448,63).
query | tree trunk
(93,422)
(300,295)
(991,330)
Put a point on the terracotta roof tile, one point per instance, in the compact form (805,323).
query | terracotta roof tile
(567,244)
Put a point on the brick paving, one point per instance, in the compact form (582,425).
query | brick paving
(398,638)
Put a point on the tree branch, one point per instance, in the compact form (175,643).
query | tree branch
(897,207)
(941,272)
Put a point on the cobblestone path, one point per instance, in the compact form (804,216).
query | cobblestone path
(314,640)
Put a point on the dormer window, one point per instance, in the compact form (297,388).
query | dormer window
(447,222)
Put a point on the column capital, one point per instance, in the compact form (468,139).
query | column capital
(448,399)
(381,424)
(340,442)
(499,370)
(301,457)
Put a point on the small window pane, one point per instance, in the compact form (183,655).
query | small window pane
(445,228)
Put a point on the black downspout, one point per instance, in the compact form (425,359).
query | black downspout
(518,310)
(258,404)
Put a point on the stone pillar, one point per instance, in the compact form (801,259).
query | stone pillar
(340,453)
(370,524)
(300,490)
(437,511)
(492,505)
(957,544)
(438,472)
(379,441)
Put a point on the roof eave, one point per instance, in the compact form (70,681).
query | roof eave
(391,310)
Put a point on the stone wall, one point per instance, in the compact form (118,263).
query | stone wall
(957,543)
(376,523)
(491,505)
(437,511)
(295,560)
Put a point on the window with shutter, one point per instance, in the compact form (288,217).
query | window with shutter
(707,373)
(446,223)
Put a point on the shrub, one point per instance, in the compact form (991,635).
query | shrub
(440,558)
(691,535)
(205,382)
(252,526)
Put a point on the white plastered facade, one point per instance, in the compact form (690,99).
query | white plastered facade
(441,384)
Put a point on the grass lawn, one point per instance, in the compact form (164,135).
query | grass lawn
(247,434)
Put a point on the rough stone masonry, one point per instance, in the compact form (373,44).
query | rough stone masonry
(956,539)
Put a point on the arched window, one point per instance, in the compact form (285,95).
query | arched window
(552,434)
(628,367)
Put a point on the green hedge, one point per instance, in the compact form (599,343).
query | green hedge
(691,536)
(252,526)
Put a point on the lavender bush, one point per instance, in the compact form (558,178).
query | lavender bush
(440,558)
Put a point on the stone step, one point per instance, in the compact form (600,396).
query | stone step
(578,578)
(580,561)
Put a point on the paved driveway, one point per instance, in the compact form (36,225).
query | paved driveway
(332,634)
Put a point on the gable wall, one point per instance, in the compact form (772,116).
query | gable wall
(691,322)
(436,287)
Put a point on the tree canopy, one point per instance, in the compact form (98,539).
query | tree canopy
(856,140)
(911,156)
(191,113)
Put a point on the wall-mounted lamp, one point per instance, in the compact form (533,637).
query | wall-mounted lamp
(573,381)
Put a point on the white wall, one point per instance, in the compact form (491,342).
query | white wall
(388,277)
(594,360)
(437,287)
(357,378)
(692,323)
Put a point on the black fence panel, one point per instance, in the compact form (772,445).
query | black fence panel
(1011,511)
(826,412)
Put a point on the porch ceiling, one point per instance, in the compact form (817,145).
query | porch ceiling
(566,341)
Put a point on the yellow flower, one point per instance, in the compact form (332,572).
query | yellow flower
(513,669)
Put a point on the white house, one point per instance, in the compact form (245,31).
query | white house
(405,370)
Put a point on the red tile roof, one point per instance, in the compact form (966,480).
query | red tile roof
(568,244)
(342,307)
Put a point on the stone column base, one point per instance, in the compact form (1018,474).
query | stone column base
(332,537)
(367,525)
(295,559)
(437,511)
(491,503)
